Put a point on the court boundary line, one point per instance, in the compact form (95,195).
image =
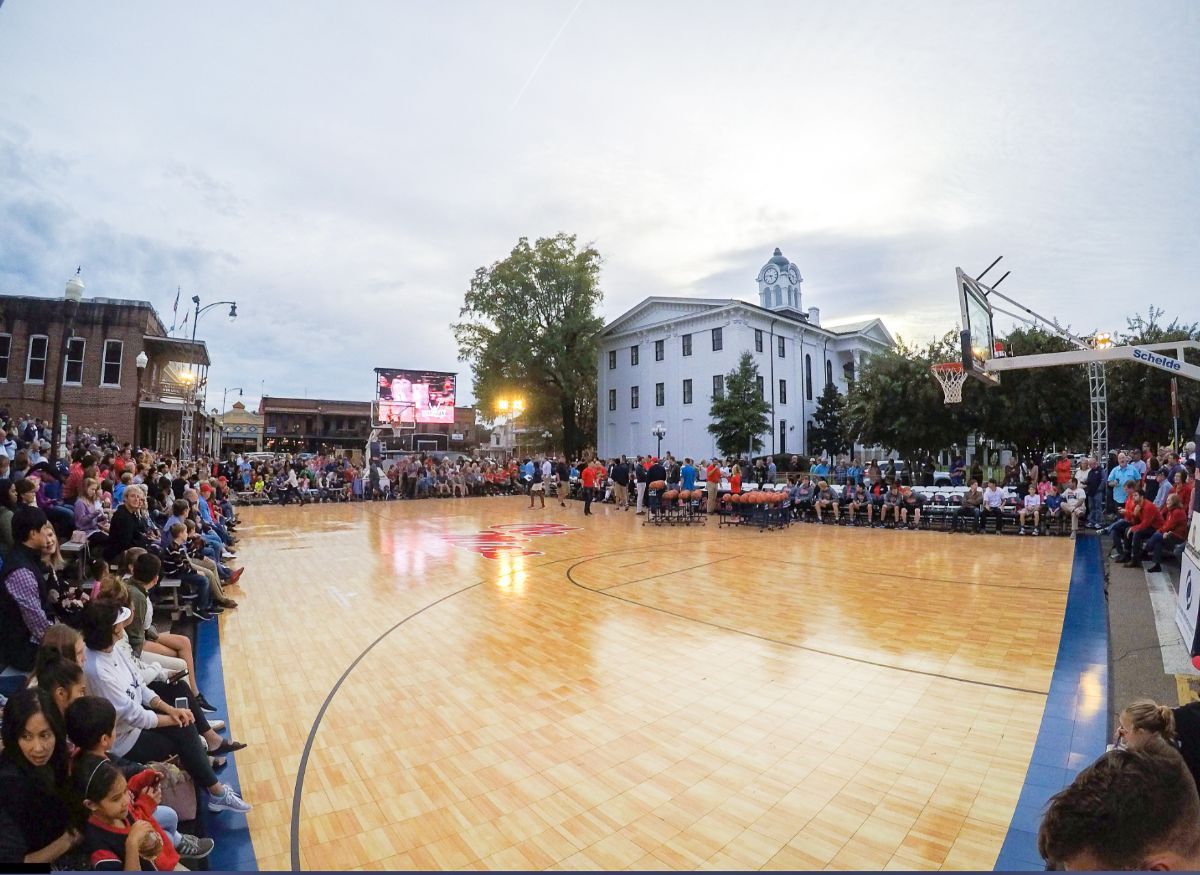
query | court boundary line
(790,644)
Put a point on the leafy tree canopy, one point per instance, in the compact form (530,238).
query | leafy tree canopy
(528,329)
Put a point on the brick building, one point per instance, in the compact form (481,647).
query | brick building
(318,425)
(100,382)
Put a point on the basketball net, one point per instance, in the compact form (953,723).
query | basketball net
(952,377)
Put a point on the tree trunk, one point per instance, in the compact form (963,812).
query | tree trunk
(571,438)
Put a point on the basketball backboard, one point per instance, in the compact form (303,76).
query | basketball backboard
(978,337)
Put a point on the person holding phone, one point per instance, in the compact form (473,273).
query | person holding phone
(148,729)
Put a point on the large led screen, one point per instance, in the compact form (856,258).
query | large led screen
(404,396)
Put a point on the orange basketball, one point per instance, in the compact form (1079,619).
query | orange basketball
(671,494)
(659,484)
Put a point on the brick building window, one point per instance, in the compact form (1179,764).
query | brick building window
(73,375)
(35,365)
(110,373)
(5,349)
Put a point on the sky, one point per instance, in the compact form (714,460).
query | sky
(342,169)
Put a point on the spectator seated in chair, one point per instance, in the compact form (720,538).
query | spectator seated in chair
(1032,507)
(971,508)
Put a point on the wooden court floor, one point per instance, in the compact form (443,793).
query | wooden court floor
(615,695)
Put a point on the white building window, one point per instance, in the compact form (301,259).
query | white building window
(73,374)
(718,386)
(659,351)
(758,381)
(612,359)
(35,365)
(660,394)
(612,399)
(758,340)
(779,343)
(687,344)
(717,339)
(687,391)
(783,391)
(633,355)
(5,349)
(828,372)
(808,376)
(110,372)
(633,397)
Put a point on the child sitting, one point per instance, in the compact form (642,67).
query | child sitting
(91,726)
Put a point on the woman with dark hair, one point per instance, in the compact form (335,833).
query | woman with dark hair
(148,729)
(8,503)
(59,676)
(34,817)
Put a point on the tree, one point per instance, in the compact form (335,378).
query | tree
(1031,410)
(896,402)
(528,329)
(1139,397)
(740,414)
(828,431)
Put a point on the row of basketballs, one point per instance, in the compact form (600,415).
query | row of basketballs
(683,496)
(756,498)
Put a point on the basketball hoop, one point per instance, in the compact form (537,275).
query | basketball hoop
(952,377)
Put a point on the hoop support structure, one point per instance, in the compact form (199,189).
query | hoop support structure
(952,376)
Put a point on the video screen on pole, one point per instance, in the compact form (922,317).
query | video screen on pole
(404,396)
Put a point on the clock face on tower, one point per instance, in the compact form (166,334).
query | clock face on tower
(793,274)
(770,275)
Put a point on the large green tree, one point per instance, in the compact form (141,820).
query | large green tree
(895,401)
(1031,410)
(1139,397)
(740,414)
(828,431)
(528,329)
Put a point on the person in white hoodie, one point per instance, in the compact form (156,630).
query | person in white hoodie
(148,729)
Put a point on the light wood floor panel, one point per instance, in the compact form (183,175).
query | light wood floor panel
(634,697)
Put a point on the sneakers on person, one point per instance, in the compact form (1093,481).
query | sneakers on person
(228,801)
(193,847)
(225,554)
(216,725)
(1155,568)
(205,705)
(236,576)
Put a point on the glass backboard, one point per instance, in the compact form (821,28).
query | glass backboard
(978,336)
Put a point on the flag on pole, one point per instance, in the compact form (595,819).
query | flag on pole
(175,309)
(183,324)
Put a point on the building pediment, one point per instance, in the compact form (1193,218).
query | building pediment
(655,311)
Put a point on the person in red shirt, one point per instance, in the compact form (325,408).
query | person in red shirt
(1172,531)
(588,478)
(1183,488)
(1148,521)
(1120,529)
(735,480)
(1062,470)
(712,481)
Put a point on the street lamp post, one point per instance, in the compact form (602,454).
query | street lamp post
(200,311)
(141,362)
(74,294)
(660,432)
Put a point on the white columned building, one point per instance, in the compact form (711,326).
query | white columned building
(662,361)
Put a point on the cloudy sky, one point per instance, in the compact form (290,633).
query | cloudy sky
(341,169)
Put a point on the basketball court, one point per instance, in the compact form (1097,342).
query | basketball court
(469,684)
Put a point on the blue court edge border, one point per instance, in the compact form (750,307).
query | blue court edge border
(1074,728)
(234,851)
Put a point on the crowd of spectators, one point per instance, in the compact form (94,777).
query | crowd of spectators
(105,715)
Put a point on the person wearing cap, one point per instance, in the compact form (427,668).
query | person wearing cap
(148,729)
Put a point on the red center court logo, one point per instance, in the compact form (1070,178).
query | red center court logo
(507,539)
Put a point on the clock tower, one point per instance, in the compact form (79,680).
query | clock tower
(779,284)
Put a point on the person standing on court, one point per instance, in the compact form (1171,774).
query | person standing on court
(537,486)
(588,478)
(687,475)
(563,473)
(620,476)
(639,475)
(712,480)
